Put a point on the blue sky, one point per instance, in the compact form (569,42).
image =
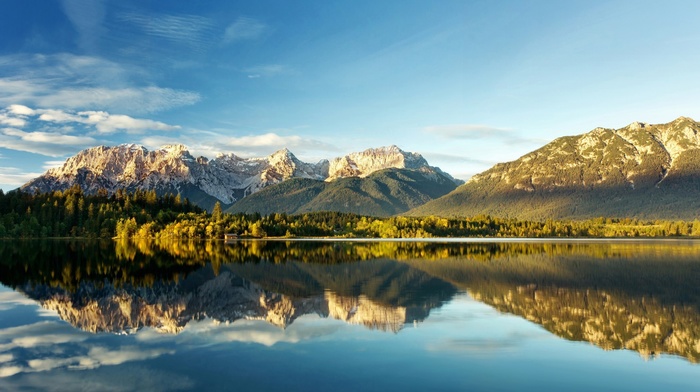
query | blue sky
(465,83)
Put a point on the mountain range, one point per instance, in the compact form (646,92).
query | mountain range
(229,178)
(230,294)
(640,171)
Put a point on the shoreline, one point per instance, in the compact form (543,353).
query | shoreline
(474,239)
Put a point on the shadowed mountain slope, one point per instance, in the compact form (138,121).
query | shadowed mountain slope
(384,193)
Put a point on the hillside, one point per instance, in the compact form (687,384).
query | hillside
(384,193)
(640,171)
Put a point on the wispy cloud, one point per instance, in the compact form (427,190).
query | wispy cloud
(468,131)
(14,177)
(105,122)
(246,146)
(11,299)
(265,140)
(131,99)
(82,82)
(44,143)
(244,28)
(479,131)
(271,141)
(52,164)
(196,31)
(267,70)
(452,158)
(87,18)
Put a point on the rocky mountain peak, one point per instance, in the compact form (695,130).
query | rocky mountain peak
(636,125)
(364,163)
(283,156)
(226,178)
(175,149)
(683,119)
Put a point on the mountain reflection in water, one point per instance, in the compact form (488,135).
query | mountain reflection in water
(641,296)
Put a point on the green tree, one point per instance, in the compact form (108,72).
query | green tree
(216,213)
(256,230)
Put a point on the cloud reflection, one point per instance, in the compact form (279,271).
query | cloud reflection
(51,345)
(11,299)
(261,332)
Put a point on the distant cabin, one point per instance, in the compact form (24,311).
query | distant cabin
(230,237)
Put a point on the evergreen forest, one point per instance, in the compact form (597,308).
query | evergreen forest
(144,214)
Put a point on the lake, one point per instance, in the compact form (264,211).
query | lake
(350,315)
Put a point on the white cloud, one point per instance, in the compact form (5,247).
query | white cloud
(7,371)
(20,110)
(244,29)
(58,141)
(106,123)
(55,138)
(60,138)
(59,116)
(12,121)
(68,81)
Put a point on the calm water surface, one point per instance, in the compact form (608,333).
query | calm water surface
(560,315)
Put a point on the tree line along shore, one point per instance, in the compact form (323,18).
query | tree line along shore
(72,213)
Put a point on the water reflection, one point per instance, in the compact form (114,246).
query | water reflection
(641,296)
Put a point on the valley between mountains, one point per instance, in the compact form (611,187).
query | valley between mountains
(640,171)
